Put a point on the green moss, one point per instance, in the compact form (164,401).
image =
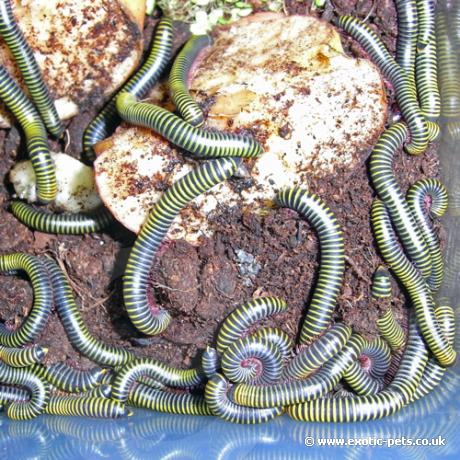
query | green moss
(203,15)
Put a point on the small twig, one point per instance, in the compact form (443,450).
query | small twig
(352,264)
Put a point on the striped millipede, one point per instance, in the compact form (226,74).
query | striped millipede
(381,283)
(386,186)
(360,381)
(36,140)
(426,61)
(185,105)
(246,315)
(195,141)
(76,330)
(416,287)
(296,391)
(36,320)
(172,403)
(210,362)
(390,330)
(86,407)
(220,404)
(332,265)
(38,388)
(12,393)
(25,60)
(370,407)
(138,85)
(277,337)
(406,94)
(319,352)
(252,359)
(136,277)
(131,372)
(407,36)
(416,198)
(71,380)
(64,224)
(22,357)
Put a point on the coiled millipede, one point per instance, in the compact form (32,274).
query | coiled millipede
(406,94)
(172,403)
(381,284)
(75,328)
(64,224)
(210,362)
(25,60)
(221,405)
(417,195)
(417,289)
(252,359)
(39,392)
(137,368)
(147,318)
(246,315)
(362,408)
(195,141)
(22,357)
(86,407)
(138,85)
(385,184)
(296,391)
(332,266)
(37,143)
(36,320)
(179,76)
(319,352)
(390,330)
(71,380)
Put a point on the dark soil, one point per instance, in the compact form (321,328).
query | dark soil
(249,255)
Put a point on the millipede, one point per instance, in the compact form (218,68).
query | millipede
(22,357)
(138,85)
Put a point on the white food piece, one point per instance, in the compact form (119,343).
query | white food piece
(315,110)
(75,42)
(75,182)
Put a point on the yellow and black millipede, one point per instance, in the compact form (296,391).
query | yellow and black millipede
(36,140)
(319,352)
(68,379)
(147,318)
(332,264)
(195,141)
(415,285)
(252,359)
(39,392)
(171,403)
(22,357)
(36,320)
(426,61)
(86,407)
(246,315)
(76,330)
(132,371)
(221,405)
(210,362)
(406,94)
(407,36)
(12,393)
(371,407)
(64,224)
(381,284)
(376,357)
(138,85)
(278,338)
(25,60)
(178,79)
(360,381)
(390,330)
(434,190)
(297,391)
(386,186)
